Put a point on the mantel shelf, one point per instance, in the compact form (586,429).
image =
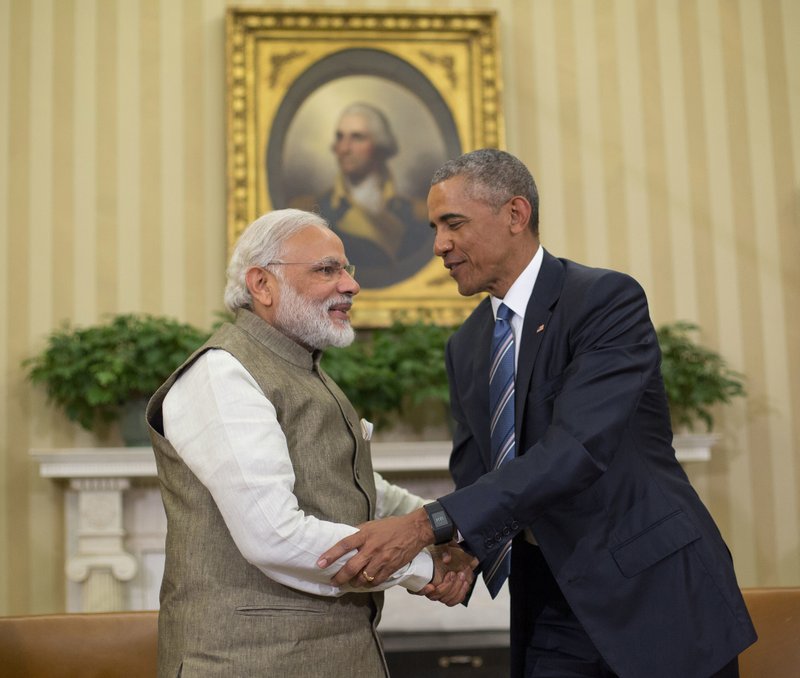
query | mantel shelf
(138,462)
(388,457)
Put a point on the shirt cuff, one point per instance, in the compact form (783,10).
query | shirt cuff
(419,572)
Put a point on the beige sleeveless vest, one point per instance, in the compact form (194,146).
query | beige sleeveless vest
(220,615)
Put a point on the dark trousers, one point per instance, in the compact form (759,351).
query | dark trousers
(547,640)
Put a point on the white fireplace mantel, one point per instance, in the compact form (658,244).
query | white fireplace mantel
(138,462)
(387,457)
(116,527)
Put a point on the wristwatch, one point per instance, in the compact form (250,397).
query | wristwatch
(443,528)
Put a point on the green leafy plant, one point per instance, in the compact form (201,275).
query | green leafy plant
(92,372)
(388,370)
(695,377)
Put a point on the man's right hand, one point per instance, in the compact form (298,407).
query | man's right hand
(453,574)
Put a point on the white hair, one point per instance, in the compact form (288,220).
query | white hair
(259,244)
(378,125)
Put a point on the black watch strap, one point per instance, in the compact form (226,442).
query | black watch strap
(443,528)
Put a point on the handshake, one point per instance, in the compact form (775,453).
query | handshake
(383,546)
(453,574)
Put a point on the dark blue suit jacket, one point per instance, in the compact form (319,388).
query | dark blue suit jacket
(631,545)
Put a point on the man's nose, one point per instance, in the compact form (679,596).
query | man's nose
(348,284)
(442,244)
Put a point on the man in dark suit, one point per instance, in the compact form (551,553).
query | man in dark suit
(564,468)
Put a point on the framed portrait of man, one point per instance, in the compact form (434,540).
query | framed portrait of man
(348,114)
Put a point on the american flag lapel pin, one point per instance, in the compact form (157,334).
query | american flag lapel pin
(540,328)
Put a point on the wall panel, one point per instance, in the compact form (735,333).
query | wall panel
(17,300)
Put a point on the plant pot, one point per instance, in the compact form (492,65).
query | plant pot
(694,446)
(132,424)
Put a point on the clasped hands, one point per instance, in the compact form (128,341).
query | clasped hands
(453,574)
(383,546)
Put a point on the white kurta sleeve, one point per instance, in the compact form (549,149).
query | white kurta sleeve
(394,500)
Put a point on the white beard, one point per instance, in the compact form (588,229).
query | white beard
(308,322)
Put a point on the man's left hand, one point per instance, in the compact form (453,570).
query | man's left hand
(383,547)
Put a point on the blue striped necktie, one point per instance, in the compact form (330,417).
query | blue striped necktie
(501,406)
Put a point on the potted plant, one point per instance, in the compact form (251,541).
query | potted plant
(388,372)
(696,379)
(106,372)
(391,370)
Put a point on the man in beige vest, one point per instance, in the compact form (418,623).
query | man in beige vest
(264,464)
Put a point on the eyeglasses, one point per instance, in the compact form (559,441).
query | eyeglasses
(327,269)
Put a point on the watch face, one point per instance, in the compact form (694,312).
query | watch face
(441,524)
(440,520)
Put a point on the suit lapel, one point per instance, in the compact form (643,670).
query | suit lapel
(484,347)
(537,315)
(476,406)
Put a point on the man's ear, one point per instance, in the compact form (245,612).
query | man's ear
(520,210)
(260,283)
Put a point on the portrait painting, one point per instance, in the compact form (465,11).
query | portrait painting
(360,149)
(352,125)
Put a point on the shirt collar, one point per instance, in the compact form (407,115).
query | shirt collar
(341,192)
(519,293)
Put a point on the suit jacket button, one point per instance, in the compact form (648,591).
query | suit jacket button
(488,543)
(506,531)
(515,525)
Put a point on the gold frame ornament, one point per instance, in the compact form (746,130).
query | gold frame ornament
(436,75)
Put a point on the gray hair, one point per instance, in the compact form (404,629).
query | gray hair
(259,244)
(494,177)
(379,127)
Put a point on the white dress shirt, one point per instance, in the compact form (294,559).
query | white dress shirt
(517,298)
(226,431)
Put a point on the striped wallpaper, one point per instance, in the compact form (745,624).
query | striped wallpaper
(664,135)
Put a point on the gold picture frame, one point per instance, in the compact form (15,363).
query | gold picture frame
(435,76)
